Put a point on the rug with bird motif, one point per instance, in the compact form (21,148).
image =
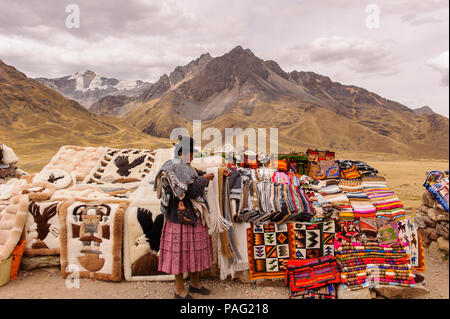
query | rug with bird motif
(143,226)
(42,229)
(121,166)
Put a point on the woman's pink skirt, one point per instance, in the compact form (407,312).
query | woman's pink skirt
(184,248)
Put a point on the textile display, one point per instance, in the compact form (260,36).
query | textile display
(269,247)
(76,160)
(373,265)
(311,273)
(42,229)
(120,166)
(387,204)
(437,184)
(91,238)
(12,221)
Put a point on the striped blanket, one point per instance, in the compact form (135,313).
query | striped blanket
(372,265)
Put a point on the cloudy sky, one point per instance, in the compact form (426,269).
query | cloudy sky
(396,48)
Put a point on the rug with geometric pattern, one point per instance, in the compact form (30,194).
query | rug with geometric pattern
(270,246)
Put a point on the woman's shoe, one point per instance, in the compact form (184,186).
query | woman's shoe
(188,296)
(202,291)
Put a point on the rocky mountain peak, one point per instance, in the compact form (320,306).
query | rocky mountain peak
(424,110)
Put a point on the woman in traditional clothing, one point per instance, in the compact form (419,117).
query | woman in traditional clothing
(185,243)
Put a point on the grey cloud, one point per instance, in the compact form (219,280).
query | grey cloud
(358,55)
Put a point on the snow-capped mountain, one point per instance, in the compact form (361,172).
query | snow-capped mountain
(88,87)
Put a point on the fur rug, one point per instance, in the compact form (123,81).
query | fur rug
(91,238)
(89,192)
(12,221)
(142,233)
(11,188)
(76,159)
(38,191)
(121,166)
(42,229)
(58,177)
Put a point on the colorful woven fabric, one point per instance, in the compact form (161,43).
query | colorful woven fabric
(325,292)
(312,240)
(372,265)
(353,185)
(269,247)
(386,203)
(363,208)
(311,273)
(388,234)
(407,233)
(437,184)
(351,173)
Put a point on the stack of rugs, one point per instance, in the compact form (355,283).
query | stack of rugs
(372,265)
(371,254)
(387,204)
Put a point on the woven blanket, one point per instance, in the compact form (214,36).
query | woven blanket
(387,204)
(325,292)
(373,265)
(311,273)
(12,220)
(90,192)
(76,160)
(91,238)
(121,166)
(312,240)
(363,208)
(407,233)
(269,247)
(42,229)
(354,185)
(437,184)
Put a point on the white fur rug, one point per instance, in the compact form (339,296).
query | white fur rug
(12,221)
(76,159)
(121,166)
(91,238)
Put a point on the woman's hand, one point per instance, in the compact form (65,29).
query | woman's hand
(227,172)
(209,176)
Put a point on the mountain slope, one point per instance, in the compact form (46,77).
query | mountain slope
(88,87)
(36,121)
(240,90)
